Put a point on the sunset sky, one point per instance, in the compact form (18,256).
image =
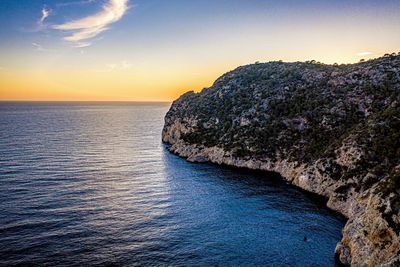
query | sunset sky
(154,50)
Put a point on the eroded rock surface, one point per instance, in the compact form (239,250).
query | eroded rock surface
(330,129)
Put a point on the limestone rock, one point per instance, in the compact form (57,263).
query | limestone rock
(330,129)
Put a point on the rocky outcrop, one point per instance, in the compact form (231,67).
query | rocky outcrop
(329,129)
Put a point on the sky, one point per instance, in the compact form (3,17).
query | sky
(155,50)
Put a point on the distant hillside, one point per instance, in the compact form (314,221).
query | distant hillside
(330,129)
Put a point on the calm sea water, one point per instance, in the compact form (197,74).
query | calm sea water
(91,184)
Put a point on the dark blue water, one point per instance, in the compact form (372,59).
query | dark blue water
(91,184)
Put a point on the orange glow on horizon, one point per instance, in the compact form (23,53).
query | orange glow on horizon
(147,57)
(130,85)
(94,86)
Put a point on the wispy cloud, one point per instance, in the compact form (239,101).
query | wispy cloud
(89,27)
(364,54)
(124,65)
(45,14)
(38,47)
(82,45)
(41,22)
(82,2)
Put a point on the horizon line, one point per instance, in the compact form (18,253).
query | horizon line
(99,101)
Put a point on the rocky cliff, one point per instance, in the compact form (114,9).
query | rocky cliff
(330,129)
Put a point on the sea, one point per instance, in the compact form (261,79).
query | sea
(91,184)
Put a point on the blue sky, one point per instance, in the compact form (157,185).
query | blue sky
(191,40)
(157,20)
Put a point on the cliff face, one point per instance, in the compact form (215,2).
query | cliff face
(330,129)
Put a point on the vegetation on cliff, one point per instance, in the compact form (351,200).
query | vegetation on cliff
(346,117)
(303,112)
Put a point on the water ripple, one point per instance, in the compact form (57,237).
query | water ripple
(90,184)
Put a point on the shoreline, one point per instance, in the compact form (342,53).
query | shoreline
(319,199)
(342,254)
(327,129)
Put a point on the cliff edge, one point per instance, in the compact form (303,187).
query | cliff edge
(330,129)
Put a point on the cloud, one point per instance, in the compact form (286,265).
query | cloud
(124,65)
(40,24)
(45,14)
(364,54)
(38,47)
(89,27)
(82,45)
(83,2)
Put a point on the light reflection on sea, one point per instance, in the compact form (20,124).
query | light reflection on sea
(92,184)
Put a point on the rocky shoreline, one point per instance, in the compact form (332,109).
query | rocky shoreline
(368,198)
